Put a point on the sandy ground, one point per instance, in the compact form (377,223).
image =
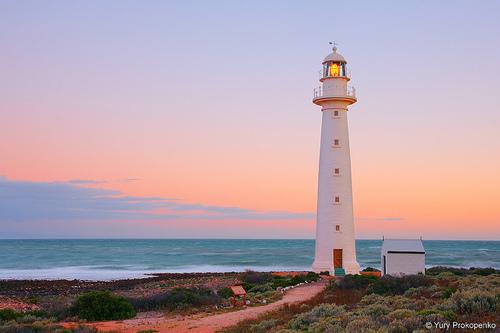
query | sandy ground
(210,323)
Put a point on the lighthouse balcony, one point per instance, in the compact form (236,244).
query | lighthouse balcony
(320,94)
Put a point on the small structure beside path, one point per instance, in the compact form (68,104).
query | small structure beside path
(239,295)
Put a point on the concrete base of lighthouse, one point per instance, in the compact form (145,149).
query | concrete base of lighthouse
(351,268)
(319,267)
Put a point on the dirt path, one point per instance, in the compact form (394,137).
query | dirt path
(210,323)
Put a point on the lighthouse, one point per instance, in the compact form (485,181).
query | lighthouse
(335,243)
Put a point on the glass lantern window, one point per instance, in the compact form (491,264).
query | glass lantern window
(334,69)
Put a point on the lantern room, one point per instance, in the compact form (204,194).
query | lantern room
(334,65)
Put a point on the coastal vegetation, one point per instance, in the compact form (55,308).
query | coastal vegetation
(177,299)
(18,322)
(102,305)
(37,306)
(356,303)
(363,303)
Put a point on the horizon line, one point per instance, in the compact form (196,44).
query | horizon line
(226,238)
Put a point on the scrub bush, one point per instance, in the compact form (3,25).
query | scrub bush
(285,281)
(303,320)
(328,324)
(485,271)
(448,292)
(280,281)
(390,285)
(256,277)
(264,326)
(248,286)
(370,269)
(225,292)
(474,302)
(462,271)
(261,288)
(311,276)
(401,314)
(361,324)
(375,310)
(397,327)
(177,298)
(449,315)
(102,305)
(297,279)
(9,314)
(355,281)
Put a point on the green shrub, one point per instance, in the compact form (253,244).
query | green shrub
(311,276)
(264,326)
(370,269)
(247,286)
(261,288)
(397,326)
(355,281)
(297,279)
(415,292)
(461,271)
(324,273)
(328,324)
(390,285)
(177,298)
(448,292)
(102,305)
(255,277)
(485,271)
(392,302)
(474,302)
(9,314)
(225,292)
(27,319)
(401,314)
(375,310)
(285,281)
(303,320)
(361,324)
(281,281)
(441,269)
(449,315)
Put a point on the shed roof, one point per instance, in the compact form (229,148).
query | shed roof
(238,290)
(403,245)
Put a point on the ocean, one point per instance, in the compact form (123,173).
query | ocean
(109,259)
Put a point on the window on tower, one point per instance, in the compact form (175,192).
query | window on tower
(336,142)
(336,171)
(334,69)
(337,199)
(337,227)
(335,113)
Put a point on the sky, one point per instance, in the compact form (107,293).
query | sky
(194,119)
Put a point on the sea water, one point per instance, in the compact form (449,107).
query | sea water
(108,259)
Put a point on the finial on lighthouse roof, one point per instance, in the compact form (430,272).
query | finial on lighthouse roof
(334,46)
(334,56)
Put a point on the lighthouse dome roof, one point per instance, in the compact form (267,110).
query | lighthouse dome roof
(334,56)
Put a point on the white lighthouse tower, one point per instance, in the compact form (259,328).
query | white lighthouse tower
(335,245)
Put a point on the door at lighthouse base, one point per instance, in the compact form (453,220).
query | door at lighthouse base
(337,258)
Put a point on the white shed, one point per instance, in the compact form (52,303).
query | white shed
(402,257)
